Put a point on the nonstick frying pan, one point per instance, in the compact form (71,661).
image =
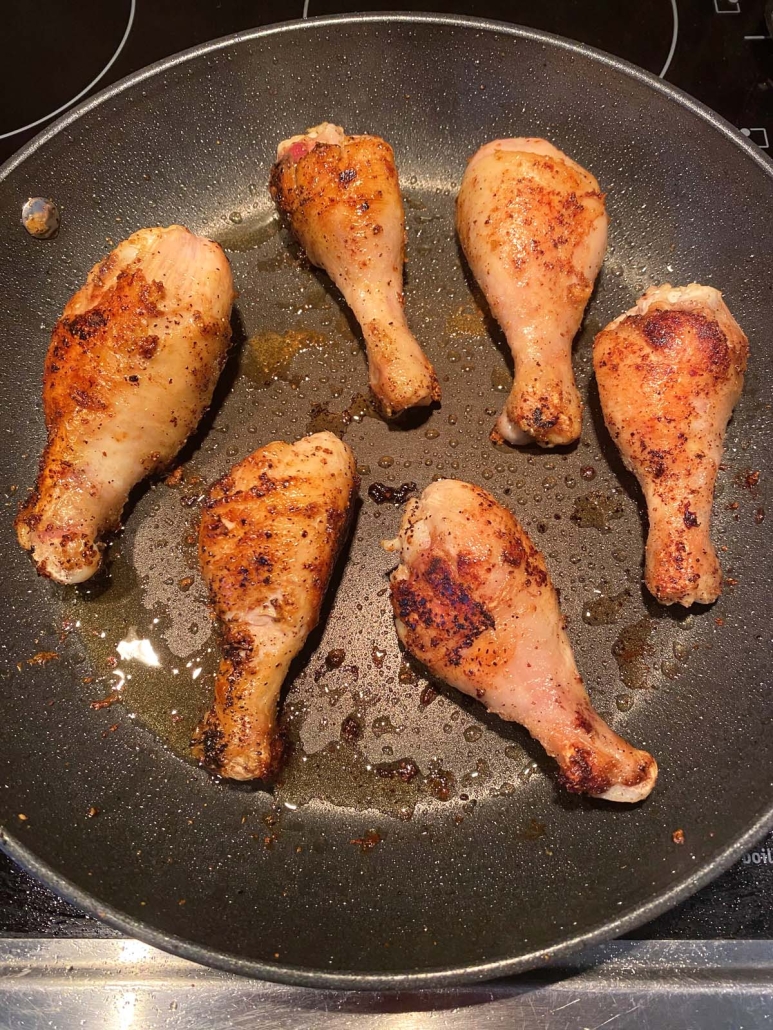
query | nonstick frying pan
(352,871)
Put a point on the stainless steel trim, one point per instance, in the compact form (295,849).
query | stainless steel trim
(124,983)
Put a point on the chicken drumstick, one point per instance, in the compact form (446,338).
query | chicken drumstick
(131,368)
(533,227)
(474,602)
(341,197)
(669,372)
(270,533)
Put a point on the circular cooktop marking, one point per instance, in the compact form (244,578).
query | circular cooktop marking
(674,37)
(85,90)
(609,25)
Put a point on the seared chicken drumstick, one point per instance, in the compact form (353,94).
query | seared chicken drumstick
(130,370)
(474,602)
(270,534)
(670,371)
(533,227)
(341,197)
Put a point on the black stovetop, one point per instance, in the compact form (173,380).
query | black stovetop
(720,51)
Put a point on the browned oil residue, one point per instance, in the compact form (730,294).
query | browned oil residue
(105,702)
(383,494)
(42,657)
(271,354)
(466,320)
(405,674)
(404,769)
(606,610)
(749,479)
(501,379)
(534,830)
(368,842)
(340,775)
(631,649)
(440,783)
(596,510)
(321,418)
(479,774)
(382,724)
(428,695)
(184,477)
(352,728)
(361,406)
(670,670)
(414,203)
(335,658)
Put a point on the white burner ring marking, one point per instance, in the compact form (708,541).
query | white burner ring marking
(90,86)
(674,37)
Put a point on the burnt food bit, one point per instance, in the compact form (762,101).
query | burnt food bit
(383,494)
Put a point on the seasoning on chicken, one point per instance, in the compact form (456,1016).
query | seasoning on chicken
(131,368)
(270,534)
(473,601)
(533,227)
(341,197)
(669,372)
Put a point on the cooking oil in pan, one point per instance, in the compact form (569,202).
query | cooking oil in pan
(134,667)
(245,231)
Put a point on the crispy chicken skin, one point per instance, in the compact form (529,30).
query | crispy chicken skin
(341,197)
(130,370)
(473,601)
(669,372)
(270,534)
(533,226)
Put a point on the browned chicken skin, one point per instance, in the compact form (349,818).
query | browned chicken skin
(341,197)
(131,368)
(670,371)
(533,227)
(474,602)
(270,533)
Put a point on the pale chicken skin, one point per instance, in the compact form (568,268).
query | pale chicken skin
(130,370)
(473,601)
(341,197)
(669,372)
(533,227)
(270,533)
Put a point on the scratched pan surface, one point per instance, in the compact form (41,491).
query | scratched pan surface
(470,862)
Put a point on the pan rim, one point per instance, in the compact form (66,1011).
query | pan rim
(441,976)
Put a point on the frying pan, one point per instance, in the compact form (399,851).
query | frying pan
(473,863)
